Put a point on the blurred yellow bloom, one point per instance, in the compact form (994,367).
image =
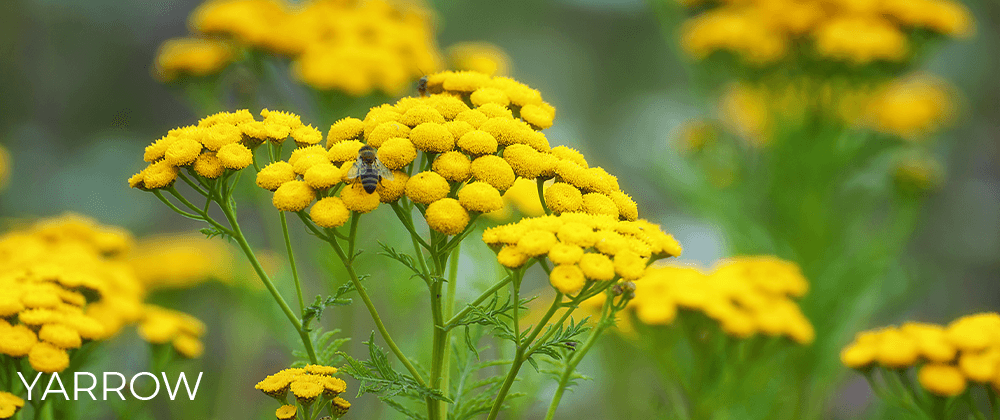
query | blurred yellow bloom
(481,57)
(912,107)
(191,57)
(742,31)
(941,379)
(162,326)
(9,404)
(181,261)
(744,111)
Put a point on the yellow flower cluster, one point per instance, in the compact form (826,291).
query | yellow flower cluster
(481,57)
(948,357)
(912,107)
(350,46)
(745,295)
(219,143)
(65,281)
(161,326)
(583,247)
(307,384)
(9,404)
(859,32)
(178,261)
(523,197)
(191,57)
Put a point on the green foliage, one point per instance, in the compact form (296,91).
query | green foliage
(315,311)
(474,396)
(327,348)
(563,339)
(378,377)
(495,315)
(409,262)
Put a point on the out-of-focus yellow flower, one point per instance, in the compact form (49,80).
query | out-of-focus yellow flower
(191,57)
(745,295)
(741,31)
(183,331)
(481,57)
(861,40)
(9,404)
(181,261)
(744,111)
(912,107)
(941,379)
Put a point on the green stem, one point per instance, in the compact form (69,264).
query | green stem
(374,314)
(408,223)
(440,336)
(449,309)
(541,196)
(994,403)
(972,405)
(577,356)
(468,308)
(237,233)
(291,261)
(519,356)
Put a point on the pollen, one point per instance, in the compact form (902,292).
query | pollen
(458,128)
(570,154)
(272,176)
(561,197)
(208,165)
(330,212)
(391,190)
(528,162)
(453,166)
(293,196)
(427,187)
(447,216)
(183,152)
(597,203)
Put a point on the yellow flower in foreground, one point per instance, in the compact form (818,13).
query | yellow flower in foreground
(567,278)
(9,404)
(285,412)
(191,56)
(340,406)
(447,216)
(45,357)
(941,379)
(293,196)
(329,212)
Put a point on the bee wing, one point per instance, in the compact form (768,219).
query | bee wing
(356,169)
(382,171)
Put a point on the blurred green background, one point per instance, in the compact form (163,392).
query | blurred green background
(79,104)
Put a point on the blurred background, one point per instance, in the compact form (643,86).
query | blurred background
(80,102)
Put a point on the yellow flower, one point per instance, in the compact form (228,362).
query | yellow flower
(235,156)
(493,170)
(182,152)
(481,197)
(329,212)
(397,152)
(489,95)
(931,340)
(306,392)
(539,115)
(427,187)
(629,265)
(344,151)
(432,137)
(912,107)
(321,176)
(974,332)
(735,30)
(208,165)
(345,129)
(274,175)
(390,191)
(293,196)
(597,203)
(158,175)
(474,117)
(340,406)
(60,335)
(188,346)
(528,162)
(219,134)
(537,242)
(561,197)
(285,412)
(320,369)
(306,135)
(478,142)
(453,166)
(896,349)
(45,357)
(858,355)
(191,56)
(9,404)
(861,40)
(447,216)
(17,341)
(358,200)
(479,57)
(567,278)
(458,129)
(597,267)
(279,124)
(510,257)
(302,152)
(941,379)
(563,253)
(386,131)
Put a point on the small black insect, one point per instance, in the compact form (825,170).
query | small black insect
(369,169)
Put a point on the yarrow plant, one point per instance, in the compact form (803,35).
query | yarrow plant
(452,152)
(953,365)
(68,287)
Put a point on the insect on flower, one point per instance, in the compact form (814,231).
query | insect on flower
(369,169)
(422,86)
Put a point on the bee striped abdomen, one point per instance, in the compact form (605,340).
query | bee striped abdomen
(369,180)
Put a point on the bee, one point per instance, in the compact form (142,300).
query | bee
(422,86)
(369,169)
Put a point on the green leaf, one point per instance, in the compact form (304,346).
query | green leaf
(315,311)
(212,231)
(378,377)
(400,408)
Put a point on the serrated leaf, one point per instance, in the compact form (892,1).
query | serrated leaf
(400,408)
(378,377)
